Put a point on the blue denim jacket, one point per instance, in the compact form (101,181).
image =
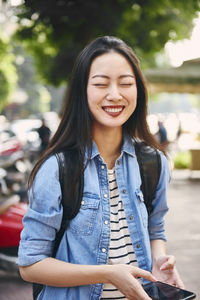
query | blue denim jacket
(86,240)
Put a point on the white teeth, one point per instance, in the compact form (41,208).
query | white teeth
(113,110)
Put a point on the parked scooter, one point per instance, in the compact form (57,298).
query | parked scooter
(11,214)
(15,167)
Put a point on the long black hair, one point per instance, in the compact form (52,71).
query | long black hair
(75,130)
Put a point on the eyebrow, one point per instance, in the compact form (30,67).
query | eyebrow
(107,77)
(101,76)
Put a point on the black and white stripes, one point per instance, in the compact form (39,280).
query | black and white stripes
(121,250)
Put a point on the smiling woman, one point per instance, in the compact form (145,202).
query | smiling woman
(111,92)
(111,241)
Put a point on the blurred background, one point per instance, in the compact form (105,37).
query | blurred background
(39,41)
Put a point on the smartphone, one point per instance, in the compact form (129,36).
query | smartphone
(162,291)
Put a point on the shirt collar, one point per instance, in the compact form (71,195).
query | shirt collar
(127,147)
(91,153)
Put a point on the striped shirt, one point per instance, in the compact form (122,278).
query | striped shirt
(121,249)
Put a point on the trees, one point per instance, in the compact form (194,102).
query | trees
(8,76)
(55,31)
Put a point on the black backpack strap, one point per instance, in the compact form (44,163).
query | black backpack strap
(61,164)
(149,161)
(37,287)
(71,203)
(68,170)
(64,223)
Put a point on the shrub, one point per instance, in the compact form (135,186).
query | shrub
(182,160)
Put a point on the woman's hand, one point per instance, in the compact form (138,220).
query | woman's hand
(125,279)
(164,270)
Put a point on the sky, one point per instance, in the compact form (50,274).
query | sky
(185,49)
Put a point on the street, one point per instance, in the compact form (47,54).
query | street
(183,232)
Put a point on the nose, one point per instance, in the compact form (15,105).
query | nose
(113,94)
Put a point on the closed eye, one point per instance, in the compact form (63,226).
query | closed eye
(100,84)
(126,84)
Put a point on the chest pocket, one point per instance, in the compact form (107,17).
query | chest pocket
(84,222)
(142,207)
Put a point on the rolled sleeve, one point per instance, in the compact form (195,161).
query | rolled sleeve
(43,217)
(156,219)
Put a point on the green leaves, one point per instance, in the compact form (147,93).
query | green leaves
(55,31)
(8,76)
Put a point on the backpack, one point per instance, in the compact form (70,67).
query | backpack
(150,167)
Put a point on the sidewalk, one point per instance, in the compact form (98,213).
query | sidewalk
(183,227)
(183,232)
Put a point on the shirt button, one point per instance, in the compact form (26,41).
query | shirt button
(106,222)
(105,195)
(131,218)
(138,246)
(124,191)
(82,202)
(102,167)
(103,250)
(118,162)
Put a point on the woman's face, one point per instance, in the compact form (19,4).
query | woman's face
(111,90)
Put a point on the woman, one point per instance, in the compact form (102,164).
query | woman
(111,242)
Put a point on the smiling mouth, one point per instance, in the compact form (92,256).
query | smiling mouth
(113,110)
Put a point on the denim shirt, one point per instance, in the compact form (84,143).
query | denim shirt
(86,240)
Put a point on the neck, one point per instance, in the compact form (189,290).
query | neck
(109,142)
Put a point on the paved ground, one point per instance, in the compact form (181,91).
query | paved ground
(183,231)
(183,226)
(13,288)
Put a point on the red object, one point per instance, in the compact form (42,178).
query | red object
(9,147)
(11,225)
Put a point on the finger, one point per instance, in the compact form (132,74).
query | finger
(171,259)
(180,285)
(144,274)
(178,282)
(141,294)
(169,264)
